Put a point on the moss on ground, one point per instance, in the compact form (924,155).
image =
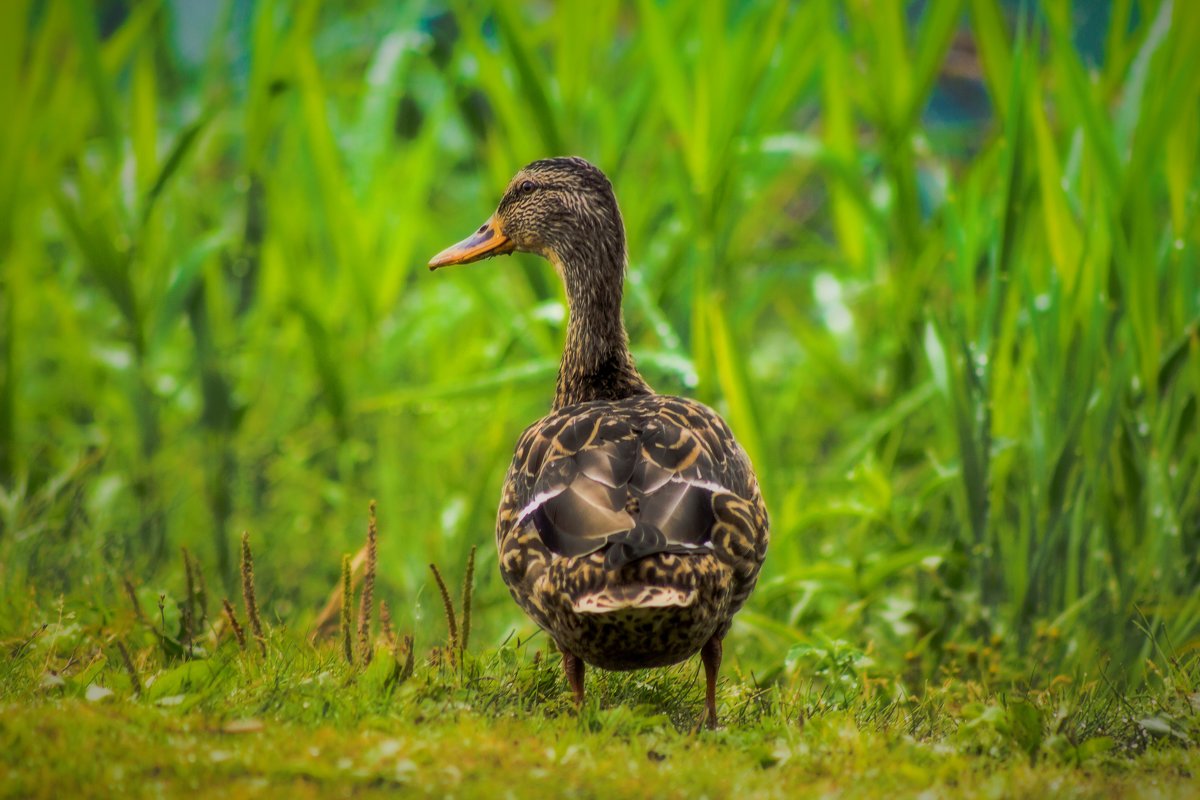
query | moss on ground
(76,748)
(300,721)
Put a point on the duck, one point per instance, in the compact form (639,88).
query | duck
(631,526)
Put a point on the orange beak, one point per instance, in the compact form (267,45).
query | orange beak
(486,242)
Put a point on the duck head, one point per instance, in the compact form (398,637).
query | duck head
(562,209)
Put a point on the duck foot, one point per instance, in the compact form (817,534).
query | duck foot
(573,665)
(710,654)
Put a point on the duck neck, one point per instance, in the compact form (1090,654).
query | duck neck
(596,362)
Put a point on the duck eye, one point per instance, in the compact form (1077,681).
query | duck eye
(526,187)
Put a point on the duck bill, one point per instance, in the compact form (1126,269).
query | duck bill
(486,242)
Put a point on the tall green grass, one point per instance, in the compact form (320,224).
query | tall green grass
(962,355)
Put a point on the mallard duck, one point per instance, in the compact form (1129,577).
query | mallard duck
(631,526)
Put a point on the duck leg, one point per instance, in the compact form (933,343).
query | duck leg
(710,654)
(573,665)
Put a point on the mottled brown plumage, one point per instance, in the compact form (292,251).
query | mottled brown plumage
(631,527)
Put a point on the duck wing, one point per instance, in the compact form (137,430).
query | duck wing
(634,477)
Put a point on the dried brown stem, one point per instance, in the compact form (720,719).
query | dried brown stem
(448,605)
(189,603)
(328,622)
(137,607)
(248,598)
(403,660)
(368,590)
(347,600)
(238,633)
(201,610)
(467,590)
(186,623)
(406,669)
(385,621)
(129,668)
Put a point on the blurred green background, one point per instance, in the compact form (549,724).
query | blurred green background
(936,262)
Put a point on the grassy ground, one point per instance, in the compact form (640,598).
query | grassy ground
(92,707)
(937,263)
(136,751)
(301,721)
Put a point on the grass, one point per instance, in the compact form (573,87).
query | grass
(171,713)
(146,750)
(196,754)
(936,264)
